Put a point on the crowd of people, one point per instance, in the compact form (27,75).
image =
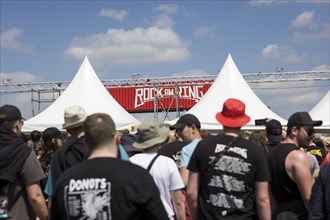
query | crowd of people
(89,170)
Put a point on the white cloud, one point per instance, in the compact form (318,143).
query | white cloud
(9,39)
(301,95)
(282,2)
(164,21)
(208,31)
(115,14)
(267,2)
(21,100)
(136,46)
(18,77)
(282,53)
(322,67)
(167,8)
(305,19)
(312,36)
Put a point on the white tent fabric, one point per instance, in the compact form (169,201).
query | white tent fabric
(85,90)
(321,111)
(229,84)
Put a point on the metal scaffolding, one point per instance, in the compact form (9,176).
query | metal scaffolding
(54,89)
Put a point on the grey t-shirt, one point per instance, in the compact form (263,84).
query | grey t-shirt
(31,173)
(313,162)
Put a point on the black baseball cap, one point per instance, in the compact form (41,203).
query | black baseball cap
(127,142)
(274,131)
(302,118)
(10,113)
(51,133)
(187,119)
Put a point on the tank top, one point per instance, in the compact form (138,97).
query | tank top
(282,187)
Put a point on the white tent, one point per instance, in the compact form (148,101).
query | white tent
(85,90)
(229,84)
(321,111)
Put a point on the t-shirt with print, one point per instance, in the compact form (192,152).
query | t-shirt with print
(227,192)
(319,152)
(106,188)
(31,173)
(173,151)
(49,187)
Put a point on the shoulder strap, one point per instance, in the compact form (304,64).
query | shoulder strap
(219,155)
(152,162)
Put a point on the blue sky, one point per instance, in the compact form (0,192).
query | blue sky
(47,41)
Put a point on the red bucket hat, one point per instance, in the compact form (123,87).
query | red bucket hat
(233,114)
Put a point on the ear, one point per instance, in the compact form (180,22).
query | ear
(295,131)
(17,126)
(117,138)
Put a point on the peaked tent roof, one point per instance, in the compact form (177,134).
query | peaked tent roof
(229,84)
(321,111)
(85,90)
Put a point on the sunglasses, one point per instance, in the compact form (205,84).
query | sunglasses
(309,130)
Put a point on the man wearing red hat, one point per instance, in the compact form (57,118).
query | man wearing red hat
(228,174)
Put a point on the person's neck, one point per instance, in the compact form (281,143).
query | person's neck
(104,151)
(77,134)
(153,149)
(197,136)
(235,132)
(289,140)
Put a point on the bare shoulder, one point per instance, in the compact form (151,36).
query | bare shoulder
(295,158)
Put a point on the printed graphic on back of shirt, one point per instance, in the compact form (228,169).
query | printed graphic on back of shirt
(88,199)
(176,158)
(229,182)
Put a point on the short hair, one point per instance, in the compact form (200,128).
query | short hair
(99,129)
(35,135)
(205,134)
(289,131)
(258,138)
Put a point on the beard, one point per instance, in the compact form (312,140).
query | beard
(302,141)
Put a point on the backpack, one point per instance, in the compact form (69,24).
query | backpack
(4,199)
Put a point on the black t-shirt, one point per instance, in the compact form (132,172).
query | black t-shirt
(173,151)
(106,188)
(227,192)
(319,153)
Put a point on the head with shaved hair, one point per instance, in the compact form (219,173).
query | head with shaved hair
(99,130)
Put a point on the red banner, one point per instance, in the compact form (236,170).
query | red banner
(143,99)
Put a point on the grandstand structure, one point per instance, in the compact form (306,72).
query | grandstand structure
(47,92)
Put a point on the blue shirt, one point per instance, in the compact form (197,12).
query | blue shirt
(187,151)
(49,188)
